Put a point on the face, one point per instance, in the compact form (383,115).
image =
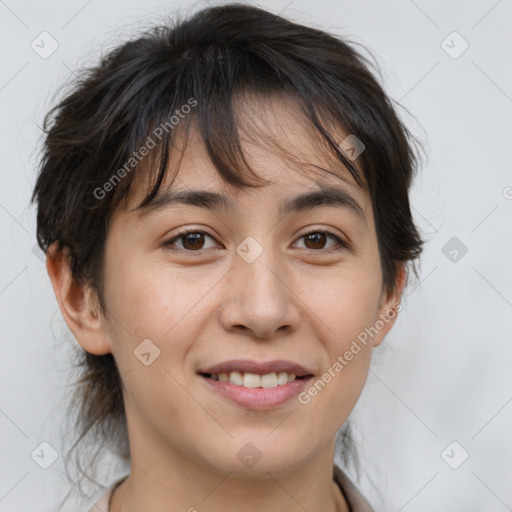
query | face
(260,286)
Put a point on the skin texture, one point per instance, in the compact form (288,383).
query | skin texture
(296,301)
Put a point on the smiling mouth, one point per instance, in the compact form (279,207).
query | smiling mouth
(254,380)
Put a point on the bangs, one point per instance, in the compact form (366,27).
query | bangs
(206,93)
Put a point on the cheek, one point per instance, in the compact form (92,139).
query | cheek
(346,305)
(160,303)
(149,297)
(152,312)
(348,355)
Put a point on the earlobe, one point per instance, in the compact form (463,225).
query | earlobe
(389,307)
(77,304)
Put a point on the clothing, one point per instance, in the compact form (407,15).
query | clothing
(356,501)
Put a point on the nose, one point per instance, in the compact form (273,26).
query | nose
(259,298)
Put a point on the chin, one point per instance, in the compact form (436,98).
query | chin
(258,455)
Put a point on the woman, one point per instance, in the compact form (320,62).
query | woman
(224,208)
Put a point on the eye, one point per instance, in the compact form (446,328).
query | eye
(317,239)
(191,240)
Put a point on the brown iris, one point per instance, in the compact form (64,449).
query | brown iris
(193,241)
(318,240)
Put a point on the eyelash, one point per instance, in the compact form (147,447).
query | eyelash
(182,234)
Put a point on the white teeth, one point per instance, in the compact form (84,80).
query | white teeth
(282,378)
(253,380)
(236,378)
(269,380)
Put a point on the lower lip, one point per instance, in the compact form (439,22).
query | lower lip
(258,398)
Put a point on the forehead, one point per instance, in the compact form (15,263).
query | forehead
(277,141)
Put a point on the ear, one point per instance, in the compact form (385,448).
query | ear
(77,303)
(389,307)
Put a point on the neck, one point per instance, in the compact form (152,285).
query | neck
(156,484)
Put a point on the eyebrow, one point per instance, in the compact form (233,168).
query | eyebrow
(326,196)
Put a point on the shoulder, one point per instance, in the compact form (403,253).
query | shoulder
(356,501)
(102,504)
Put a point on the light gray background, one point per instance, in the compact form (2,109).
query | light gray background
(442,375)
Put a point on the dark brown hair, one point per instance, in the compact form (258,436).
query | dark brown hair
(211,57)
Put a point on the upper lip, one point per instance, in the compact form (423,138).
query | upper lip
(260,368)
